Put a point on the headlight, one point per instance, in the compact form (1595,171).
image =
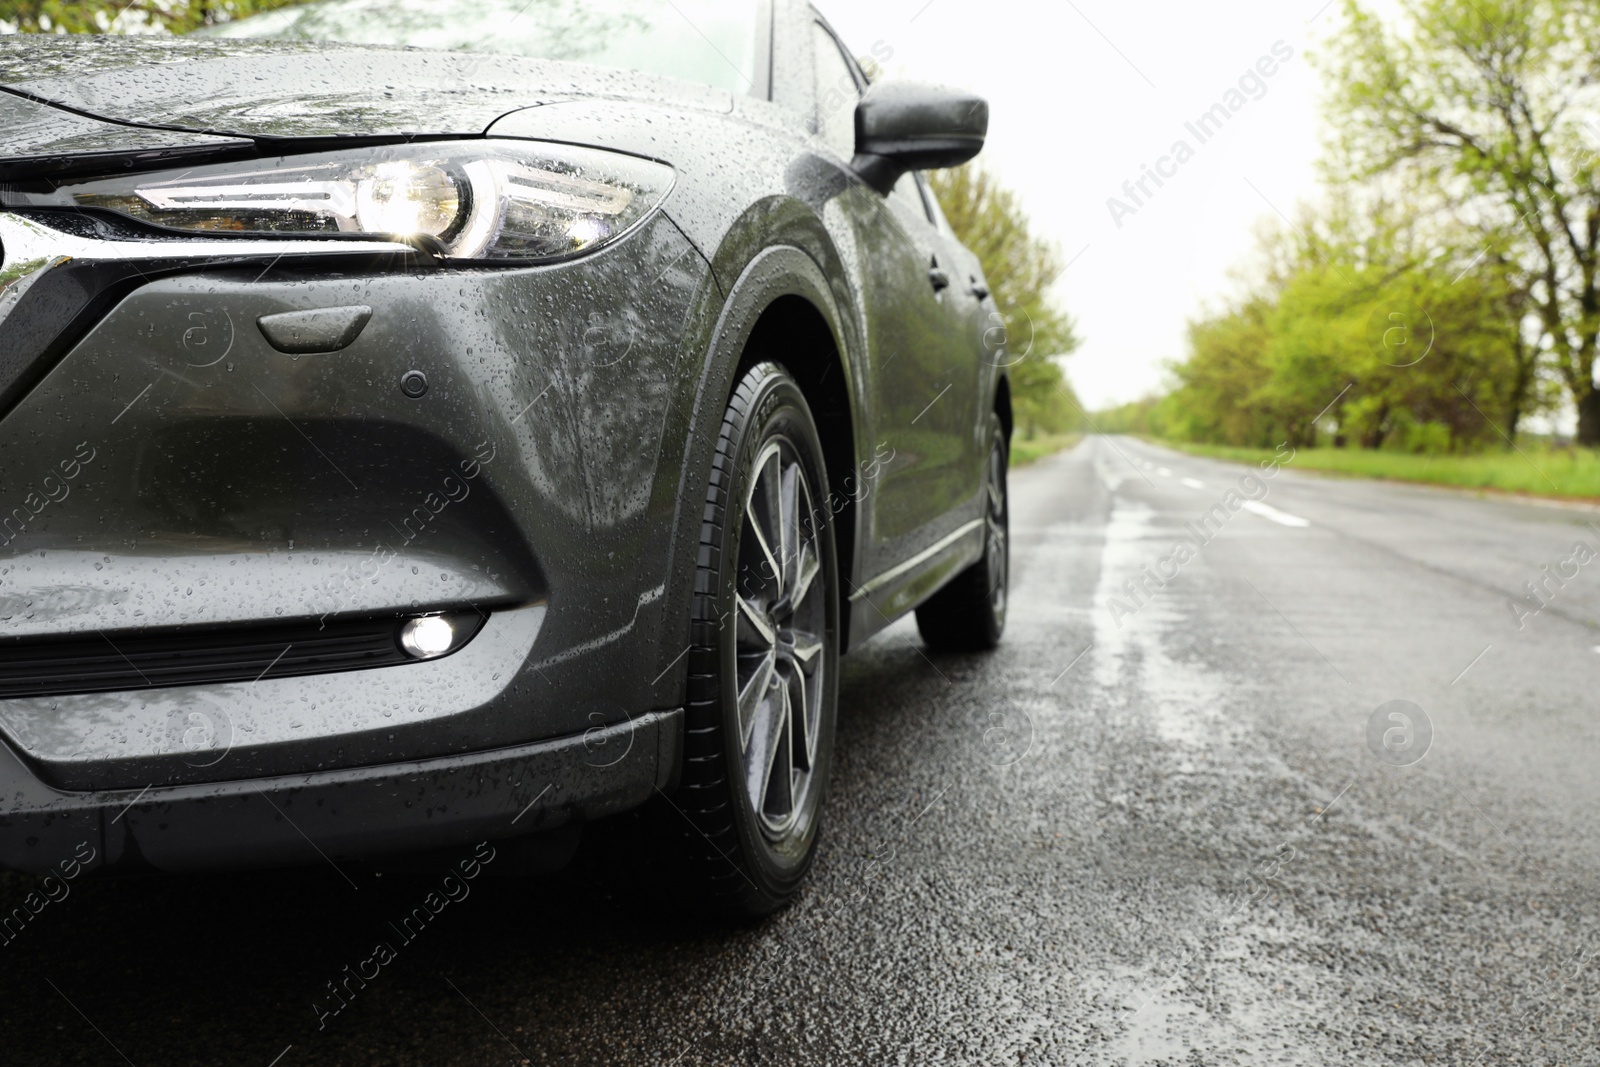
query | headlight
(494,200)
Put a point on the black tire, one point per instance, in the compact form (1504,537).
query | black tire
(969,614)
(755,836)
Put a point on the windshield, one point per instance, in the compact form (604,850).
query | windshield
(709,41)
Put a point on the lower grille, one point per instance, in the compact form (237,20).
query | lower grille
(100,663)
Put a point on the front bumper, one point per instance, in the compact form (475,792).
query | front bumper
(166,469)
(340,814)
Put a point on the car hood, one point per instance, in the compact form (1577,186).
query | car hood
(197,91)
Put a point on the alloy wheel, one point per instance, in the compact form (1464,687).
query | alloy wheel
(782,616)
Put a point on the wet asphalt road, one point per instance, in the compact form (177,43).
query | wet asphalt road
(1150,830)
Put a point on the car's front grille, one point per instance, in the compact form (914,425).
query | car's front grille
(99,663)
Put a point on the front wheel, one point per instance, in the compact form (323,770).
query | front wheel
(763,665)
(969,614)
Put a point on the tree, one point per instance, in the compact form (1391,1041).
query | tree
(1218,392)
(1020,268)
(1485,104)
(1395,333)
(139,16)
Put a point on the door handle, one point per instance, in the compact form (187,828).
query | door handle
(939,279)
(978,289)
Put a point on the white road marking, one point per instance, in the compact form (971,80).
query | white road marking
(1267,511)
(1164,472)
(1192,483)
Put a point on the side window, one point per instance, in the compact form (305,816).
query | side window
(837,93)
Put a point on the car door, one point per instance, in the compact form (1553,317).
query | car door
(969,310)
(921,375)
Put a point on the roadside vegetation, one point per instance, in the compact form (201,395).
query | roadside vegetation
(1572,473)
(1448,290)
(1026,450)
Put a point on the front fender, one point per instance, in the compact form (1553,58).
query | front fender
(725,330)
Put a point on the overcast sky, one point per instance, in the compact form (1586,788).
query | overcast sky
(1085,93)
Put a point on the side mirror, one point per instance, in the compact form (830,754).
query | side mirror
(902,126)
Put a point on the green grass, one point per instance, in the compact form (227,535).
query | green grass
(1571,474)
(1024,452)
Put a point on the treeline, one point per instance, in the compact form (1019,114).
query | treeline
(1452,286)
(1363,330)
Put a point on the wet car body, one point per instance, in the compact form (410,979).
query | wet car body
(227,466)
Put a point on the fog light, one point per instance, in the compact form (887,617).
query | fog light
(427,637)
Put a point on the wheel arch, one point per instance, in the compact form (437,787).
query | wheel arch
(780,307)
(793,332)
